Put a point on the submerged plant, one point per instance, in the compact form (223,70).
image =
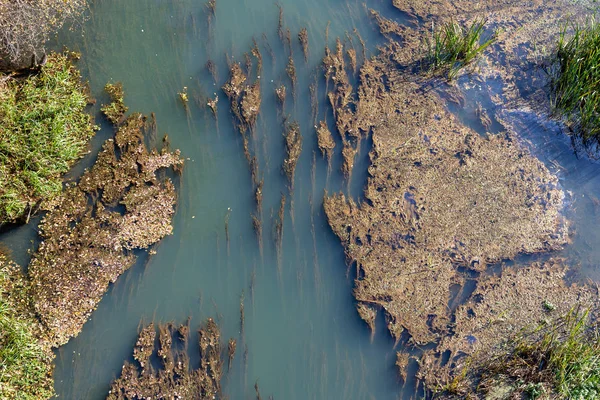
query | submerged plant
(576,80)
(453,46)
(183,96)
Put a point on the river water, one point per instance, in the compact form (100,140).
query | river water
(302,336)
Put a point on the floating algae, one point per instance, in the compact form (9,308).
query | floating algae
(303,38)
(233,88)
(325,140)
(212,104)
(293,146)
(85,244)
(175,379)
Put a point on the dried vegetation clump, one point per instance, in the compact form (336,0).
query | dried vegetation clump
(444,203)
(175,379)
(293,146)
(325,140)
(116,109)
(245,100)
(504,314)
(440,196)
(86,239)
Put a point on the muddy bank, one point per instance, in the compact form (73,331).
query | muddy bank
(443,202)
(174,379)
(119,205)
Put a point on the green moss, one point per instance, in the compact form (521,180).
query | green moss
(25,364)
(44,129)
(576,81)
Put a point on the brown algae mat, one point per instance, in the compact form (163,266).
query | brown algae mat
(175,379)
(442,200)
(86,243)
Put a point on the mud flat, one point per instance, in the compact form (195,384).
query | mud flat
(443,202)
(175,379)
(87,241)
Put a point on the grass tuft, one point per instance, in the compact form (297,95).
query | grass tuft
(453,46)
(576,80)
(44,129)
(25,365)
(562,358)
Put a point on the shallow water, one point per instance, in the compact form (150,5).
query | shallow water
(303,336)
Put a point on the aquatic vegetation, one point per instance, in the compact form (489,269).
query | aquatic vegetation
(560,358)
(303,38)
(576,81)
(281,93)
(452,47)
(86,242)
(250,104)
(291,72)
(293,146)
(212,69)
(231,347)
(116,109)
(25,363)
(183,96)
(257,54)
(348,154)
(174,379)
(325,140)
(351,53)
(44,130)
(497,330)
(431,192)
(213,104)
(341,96)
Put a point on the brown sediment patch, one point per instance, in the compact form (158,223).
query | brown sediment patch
(325,140)
(303,38)
(293,146)
(175,379)
(439,196)
(86,243)
(501,307)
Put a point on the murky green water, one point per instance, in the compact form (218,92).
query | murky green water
(303,336)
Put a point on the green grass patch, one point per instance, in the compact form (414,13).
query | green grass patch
(560,359)
(453,46)
(576,80)
(44,129)
(25,365)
